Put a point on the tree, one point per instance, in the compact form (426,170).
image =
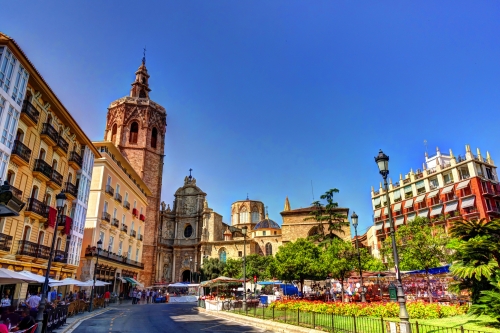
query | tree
(260,266)
(339,260)
(327,216)
(420,246)
(369,263)
(233,268)
(297,261)
(212,268)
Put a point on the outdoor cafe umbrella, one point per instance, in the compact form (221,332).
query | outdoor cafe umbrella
(10,277)
(67,282)
(39,278)
(90,283)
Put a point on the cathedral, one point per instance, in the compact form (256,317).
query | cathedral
(190,232)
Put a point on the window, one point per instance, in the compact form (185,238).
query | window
(105,209)
(101,237)
(113,133)
(42,154)
(123,219)
(154,137)
(117,188)
(27,233)
(222,256)
(58,243)
(488,204)
(137,255)
(114,213)
(11,176)
(141,210)
(255,217)
(129,253)
(108,182)
(6,70)
(135,204)
(120,245)
(269,249)
(126,197)
(134,132)
(240,254)
(139,231)
(234,218)
(20,85)
(41,236)
(489,173)
(243,215)
(448,178)
(19,135)
(263,233)
(10,126)
(54,165)
(110,244)
(408,192)
(433,183)
(464,172)
(132,226)
(48,199)
(2,105)
(34,192)
(188,231)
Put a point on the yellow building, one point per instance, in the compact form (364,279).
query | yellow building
(118,201)
(49,153)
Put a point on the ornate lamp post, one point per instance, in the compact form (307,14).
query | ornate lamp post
(99,248)
(354,220)
(60,203)
(382,161)
(244,232)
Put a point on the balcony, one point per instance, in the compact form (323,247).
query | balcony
(55,181)
(133,233)
(75,160)
(62,146)
(118,197)
(124,228)
(71,189)
(29,250)
(126,204)
(106,216)
(142,217)
(488,191)
(16,192)
(20,154)
(109,190)
(115,223)
(419,175)
(60,257)
(61,222)
(29,114)
(5,243)
(406,181)
(493,210)
(135,212)
(35,209)
(139,237)
(49,134)
(42,170)
(106,255)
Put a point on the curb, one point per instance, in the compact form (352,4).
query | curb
(260,323)
(78,321)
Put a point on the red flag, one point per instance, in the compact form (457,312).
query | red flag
(67,227)
(52,217)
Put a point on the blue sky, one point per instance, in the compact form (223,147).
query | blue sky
(265,97)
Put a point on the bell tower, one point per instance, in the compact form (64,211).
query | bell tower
(137,126)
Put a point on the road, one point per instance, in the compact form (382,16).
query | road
(176,317)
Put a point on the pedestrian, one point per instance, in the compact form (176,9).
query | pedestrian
(134,296)
(107,294)
(139,295)
(5,301)
(148,293)
(33,301)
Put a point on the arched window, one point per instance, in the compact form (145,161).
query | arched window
(222,255)
(142,94)
(49,119)
(54,165)
(132,226)
(27,233)
(58,243)
(70,178)
(41,236)
(188,231)
(19,135)
(113,133)
(42,154)
(255,216)
(244,215)
(48,199)
(134,132)
(154,137)
(34,192)
(269,249)
(10,177)
(234,218)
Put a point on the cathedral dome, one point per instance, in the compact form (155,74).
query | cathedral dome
(267,224)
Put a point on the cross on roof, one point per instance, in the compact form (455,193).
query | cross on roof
(144,55)
(190,173)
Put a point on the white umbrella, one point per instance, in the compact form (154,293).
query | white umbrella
(90,283)
(66,282)
(8,277)
(39,278)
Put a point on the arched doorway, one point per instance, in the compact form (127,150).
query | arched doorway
(186,275)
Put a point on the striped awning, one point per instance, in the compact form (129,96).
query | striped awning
(433,194)
(451,206)
(448,189)
(397,194)
(397,207)
(410,217)
(400,220)
(376,201)
(379,226)
(423,213)
(463,184)
(409,203)
(420,198)
(468,202)
(436,210)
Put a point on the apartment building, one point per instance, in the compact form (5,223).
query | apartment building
(46,158)
(116,215)
(447,188)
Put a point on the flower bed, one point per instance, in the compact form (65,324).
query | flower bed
(416,310)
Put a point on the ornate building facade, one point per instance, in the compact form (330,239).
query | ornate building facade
(136,126)
(190,232)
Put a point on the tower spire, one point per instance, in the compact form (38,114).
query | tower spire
(140,86)
(287,205)
(144,56)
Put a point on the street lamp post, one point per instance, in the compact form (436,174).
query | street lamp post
(99,248)
(244,232)
(190,270)
(60,203)
(382,161)
(354,220)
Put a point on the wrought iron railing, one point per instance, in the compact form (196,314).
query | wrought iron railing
(63,144)
(43,167)
(126,204)
(110,190)
(21,150)
(56,177)
(75,157)
(133,233)
(124,228)
(37,207)
(31,111)
(50,131)
(71,189)
(115,222)
(89,252)
(106,216)
(31,249)
(5,242)
(118,197)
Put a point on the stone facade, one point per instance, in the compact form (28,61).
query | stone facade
(137,126)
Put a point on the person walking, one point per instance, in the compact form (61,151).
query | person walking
(107,294)
(148,293)
(139,295)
